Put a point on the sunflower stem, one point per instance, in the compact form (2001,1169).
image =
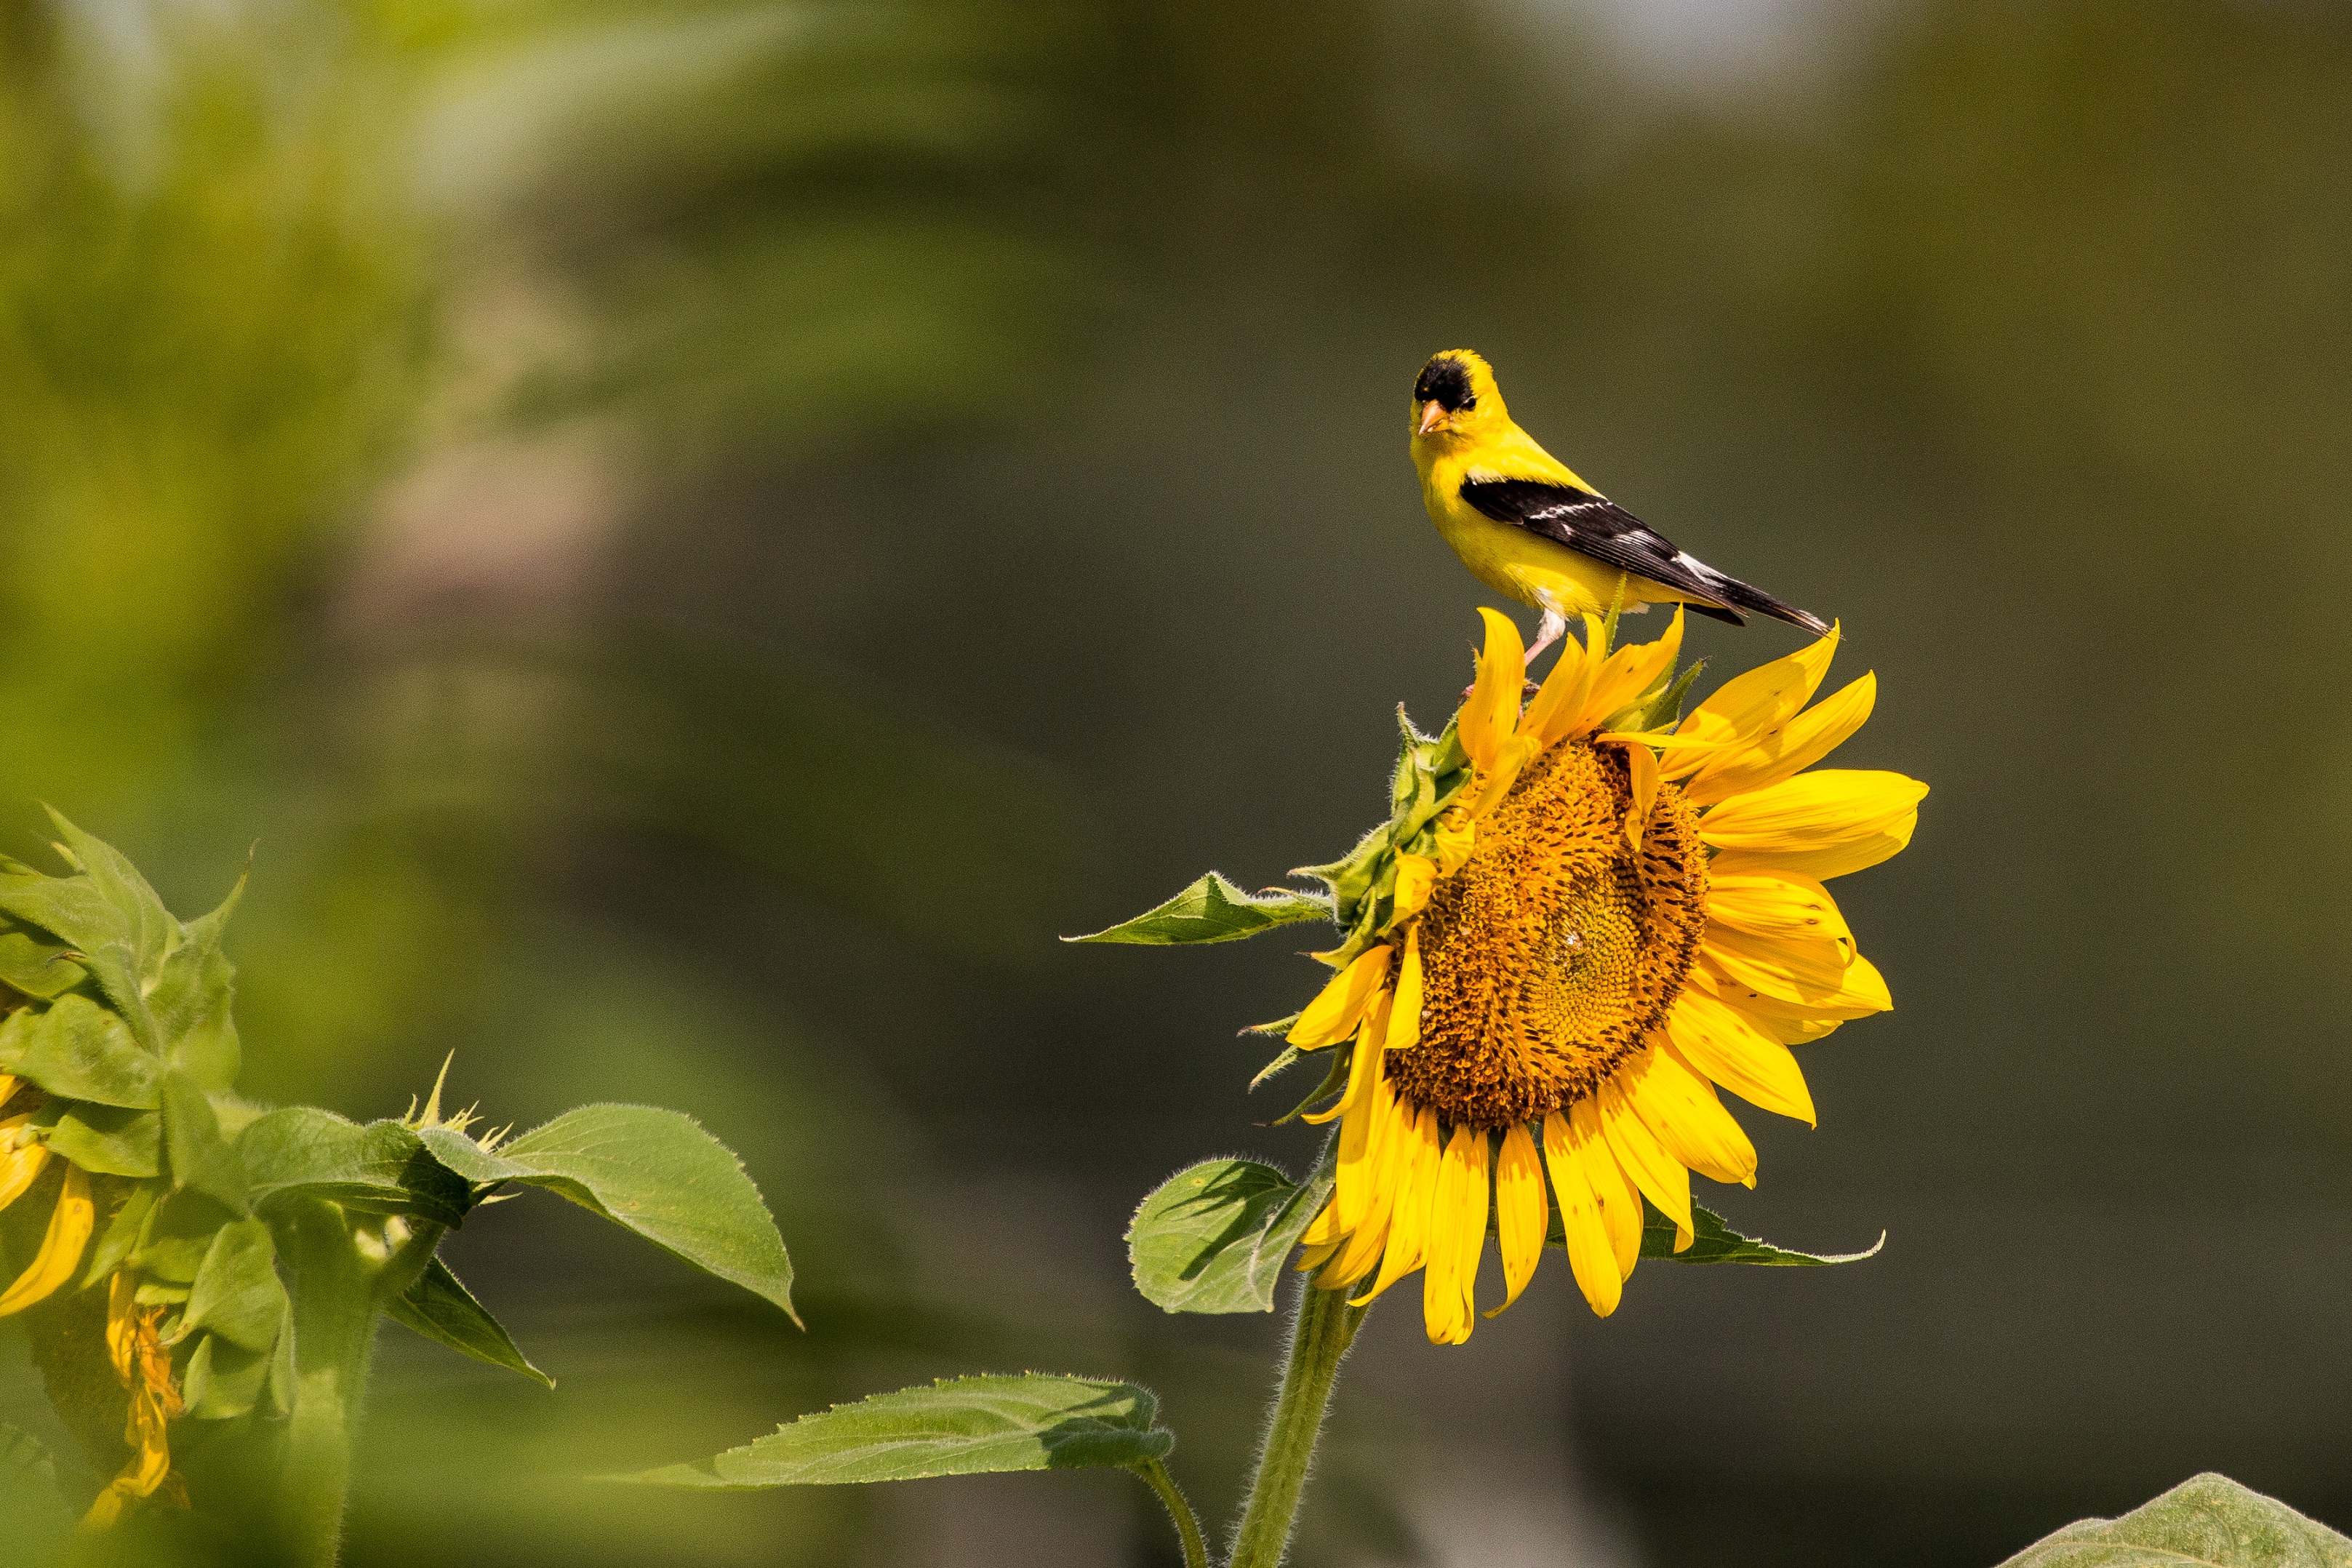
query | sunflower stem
(1322,1326)
(1188,1523)
(346,1269)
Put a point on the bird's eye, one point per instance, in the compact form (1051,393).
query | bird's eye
(1468,404)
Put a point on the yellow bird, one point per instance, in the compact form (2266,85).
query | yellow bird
(1529,527)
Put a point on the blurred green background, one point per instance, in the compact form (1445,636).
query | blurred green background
(696,537)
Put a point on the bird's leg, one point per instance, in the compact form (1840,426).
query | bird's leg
(1554,627)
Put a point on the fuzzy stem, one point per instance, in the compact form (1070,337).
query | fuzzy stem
(345,1268)
(1321,1328)
(1188,1526)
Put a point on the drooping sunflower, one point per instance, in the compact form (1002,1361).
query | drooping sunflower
(1576,928)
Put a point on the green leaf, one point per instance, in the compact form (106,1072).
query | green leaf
(224,1380)
(76,1049)
(191,1003)
(120,1234)
(177,1236)
(958,1427)
(108,1139)
(439,1306)
(201,1158)
(1713,1242)
(1214,1238)
(2205,1522)
(653,1172)
(381,1168)
(146,925)
(39,969)
(1214,910)
(237,1295)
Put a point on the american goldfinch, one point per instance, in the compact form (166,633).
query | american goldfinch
(1529,527)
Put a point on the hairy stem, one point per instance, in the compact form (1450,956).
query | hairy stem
(345,1268)
(1188,1525)
(1321,1328)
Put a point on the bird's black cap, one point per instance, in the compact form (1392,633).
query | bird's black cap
(1446,381)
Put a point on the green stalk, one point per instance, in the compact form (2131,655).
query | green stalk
(345,1268)
(1321,1329)
(1196,1550)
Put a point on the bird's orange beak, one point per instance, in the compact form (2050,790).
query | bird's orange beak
(1433,414)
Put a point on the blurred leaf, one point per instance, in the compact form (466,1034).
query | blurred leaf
(958,1427)
(223,1379)
(105,1139)
(381,1168)
(656,1172)
(1214,1238)
(120,1234)
(2205,1522)
(1713,1242)
(191,1002)
(1214,910)
(39,969)
(76,1049)
(236,1294)
(439,1306)
(201,1160)
(177,1236)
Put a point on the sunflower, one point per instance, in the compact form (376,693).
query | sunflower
(1581,924)
(134,1352)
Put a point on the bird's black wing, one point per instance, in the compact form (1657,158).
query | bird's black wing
(1595,526)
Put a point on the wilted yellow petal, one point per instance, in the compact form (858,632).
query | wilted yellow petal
(1521,1212)
(70,1226)
(1340,1005)
(1491,713)
(1590,1255)
(1680,1108)
(1726,1044)
(20,1164)
(1642,772)
(1457,834)
(1415,875)
(1785,749)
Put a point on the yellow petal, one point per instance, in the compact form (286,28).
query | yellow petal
(1592,1257)
(1779,1017)
(1658,1176)
(1630,671)
(1824,861)
(1457,837)
(1785,749)
(1803,969)
(1612,1189)
(1812,810)
(1491,713)
(1680,1109)
(1552,715)
(1321,1231)
(1415,875)
(1641,773)
(1515,754)
(1312,1257)
(1726,1044)
(1351,1187)
(8,1082)
(1340,1005)
(1521,1212)
(1419,1160)
(1392,1148)
(70,1226)
(1404,1010)
(1456,1240)
(1748,705)
(1816,978)
(1774,905)
(19,1164)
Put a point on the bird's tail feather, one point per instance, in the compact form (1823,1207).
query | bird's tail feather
(1738,595)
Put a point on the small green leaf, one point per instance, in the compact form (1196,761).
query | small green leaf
(1214,1238)
(120,1234)
(2205,1522)
(237,1295)
(439,1306)
(191,1004)
(76,1049)
(177,1236)
(106,1140)
(1286,1057)
(655,1171)
(201,1158)
(959,1427)
(1713,1242)
(1214,910)
(38,968)
(224,1380)
(381,1168)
